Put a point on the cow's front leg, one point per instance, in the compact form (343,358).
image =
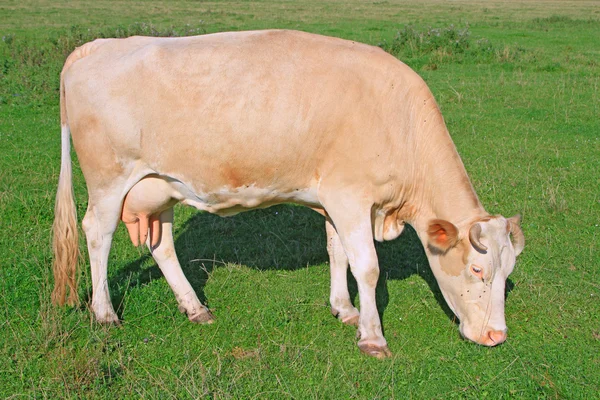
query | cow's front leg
(339,298)
(355,232)
(166,258)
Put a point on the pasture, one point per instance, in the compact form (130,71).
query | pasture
(518,85)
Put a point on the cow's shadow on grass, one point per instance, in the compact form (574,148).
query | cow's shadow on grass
(283,237)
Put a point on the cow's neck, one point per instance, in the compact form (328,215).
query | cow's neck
(443,189)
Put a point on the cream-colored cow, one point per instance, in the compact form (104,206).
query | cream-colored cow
(234,121)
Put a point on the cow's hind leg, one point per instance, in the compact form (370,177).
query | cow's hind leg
(339,298)
(353,225)
(99,224)
(166,258)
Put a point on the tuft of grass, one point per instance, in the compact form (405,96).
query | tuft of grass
(414,42)
(428,48)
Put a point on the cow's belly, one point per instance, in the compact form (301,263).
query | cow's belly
(155,193)
(228,201)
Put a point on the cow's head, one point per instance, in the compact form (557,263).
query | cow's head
(471,268)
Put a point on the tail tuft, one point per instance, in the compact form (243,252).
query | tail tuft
(65,243)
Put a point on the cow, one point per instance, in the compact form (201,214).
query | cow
(230,122)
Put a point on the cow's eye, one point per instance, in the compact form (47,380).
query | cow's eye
(477,271)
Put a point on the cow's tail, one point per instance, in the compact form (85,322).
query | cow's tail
(65,243)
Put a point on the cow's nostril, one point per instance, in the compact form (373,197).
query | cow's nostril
(497,336)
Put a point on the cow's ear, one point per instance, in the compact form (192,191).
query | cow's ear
(443,235)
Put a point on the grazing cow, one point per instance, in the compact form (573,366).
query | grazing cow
(229,122)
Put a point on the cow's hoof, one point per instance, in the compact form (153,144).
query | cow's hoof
(109,320)
(347,317)
(375,351)
(351,320)
(204,317)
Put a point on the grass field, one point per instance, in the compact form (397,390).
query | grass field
(518,84)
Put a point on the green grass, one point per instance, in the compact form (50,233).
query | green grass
(520,95)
